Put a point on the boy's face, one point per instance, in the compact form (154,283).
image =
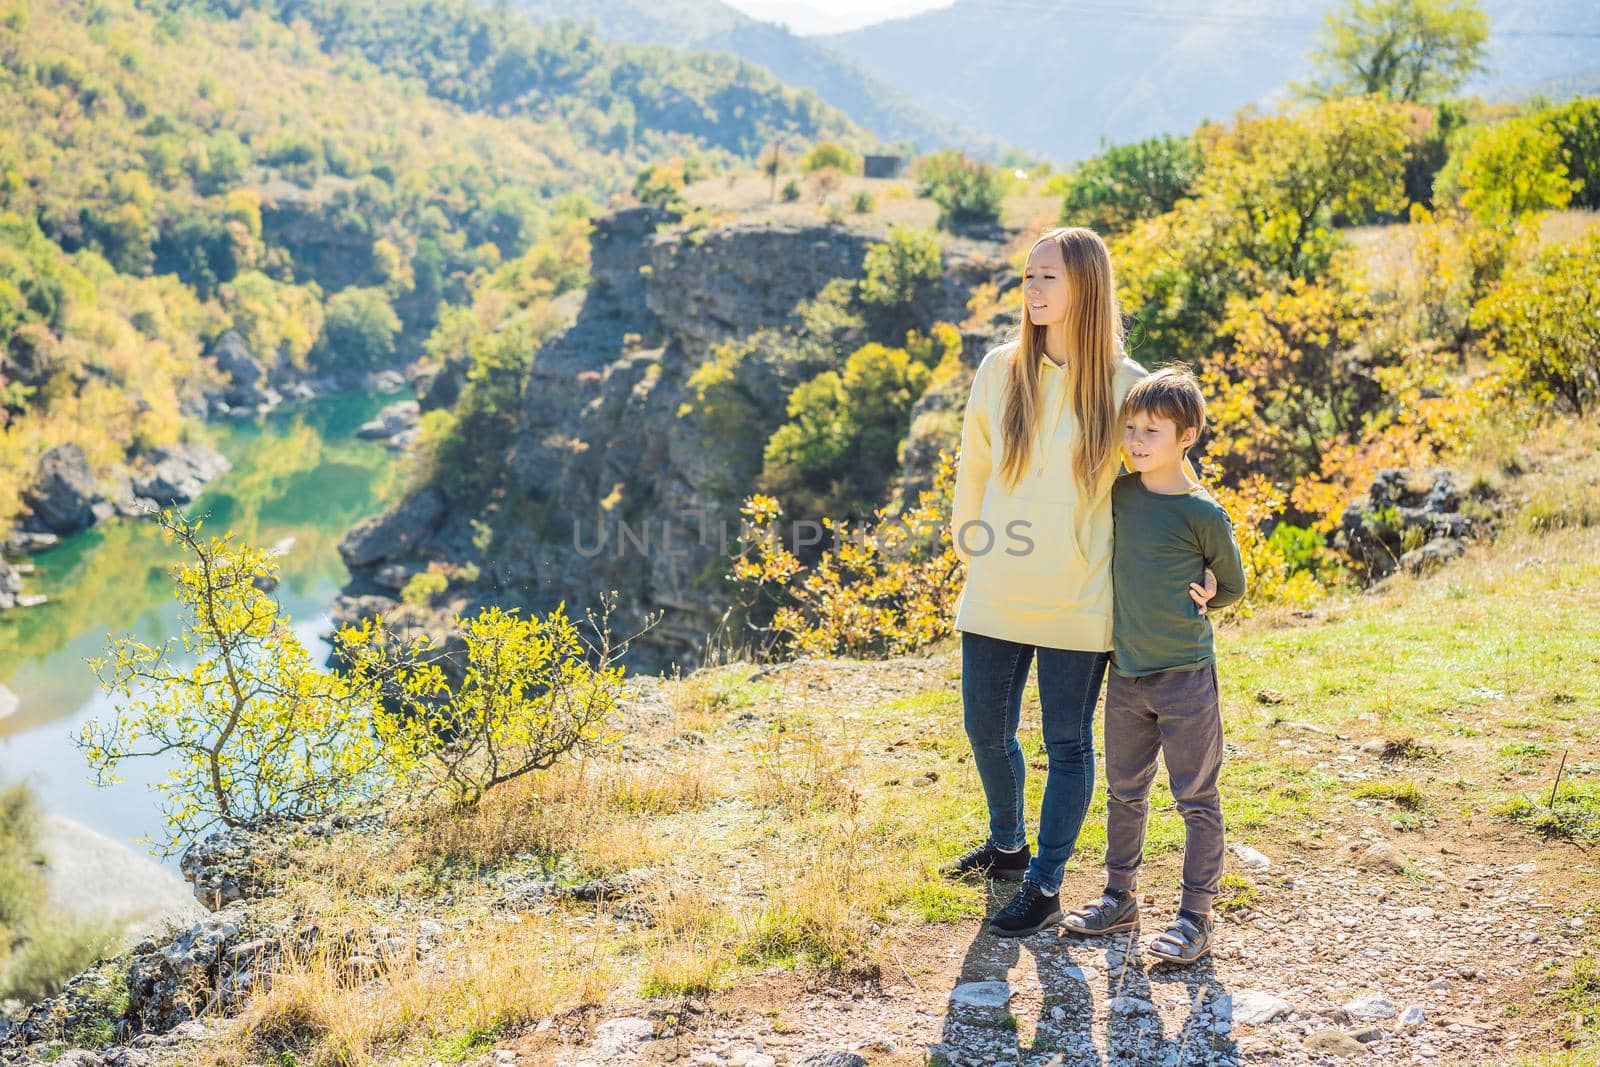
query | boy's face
(1153,442)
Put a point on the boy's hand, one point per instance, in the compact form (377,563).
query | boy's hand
(1202,594)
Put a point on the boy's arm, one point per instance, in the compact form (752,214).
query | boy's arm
(1221,551)
(972,471)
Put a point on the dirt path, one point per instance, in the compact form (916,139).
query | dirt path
(1345,961)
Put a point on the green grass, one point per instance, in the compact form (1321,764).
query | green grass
(1407,795)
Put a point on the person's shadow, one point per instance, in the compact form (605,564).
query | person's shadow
(978,1023)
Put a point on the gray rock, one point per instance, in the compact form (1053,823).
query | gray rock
(616,1039)
(63,492)
(833,1059)
(1371,1008)
(1411,1018)
(1127,1005)
(178,474)
(394,534)
(248,388)
(1251,1007)
(1382,856)
(401,415)
(1249,858)
(981,994)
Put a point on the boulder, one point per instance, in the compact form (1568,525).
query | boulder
(248,388)
(63,492)
(393,534)
(178,474)
(401,415)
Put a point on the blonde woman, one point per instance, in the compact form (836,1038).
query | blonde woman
(1040,448)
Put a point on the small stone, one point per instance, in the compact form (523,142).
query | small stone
(981,994)
(1251,1007)
(1367,1035)
(1411,1017)
(1370,1008)
(1249,858)
(1335,1043)
(833,1059)
(1419,914)
(1131,1006)
(1382,856)
(1057,1012)
(1439,985)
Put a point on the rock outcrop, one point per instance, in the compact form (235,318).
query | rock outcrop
(619,491)
(1407,519)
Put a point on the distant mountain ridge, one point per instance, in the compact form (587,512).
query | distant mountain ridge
(1131,71)
(711,25)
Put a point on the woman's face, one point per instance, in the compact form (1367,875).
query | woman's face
(1044,284)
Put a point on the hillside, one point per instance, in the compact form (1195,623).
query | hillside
(750,879)
(855,88)
(1121,74)
(187,228)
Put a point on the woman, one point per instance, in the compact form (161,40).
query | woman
(1040,447)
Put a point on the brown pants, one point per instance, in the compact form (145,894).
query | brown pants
(1175,713)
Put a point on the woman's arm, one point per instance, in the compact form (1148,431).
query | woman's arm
(977,459)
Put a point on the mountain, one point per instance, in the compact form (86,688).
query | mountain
(1058,78)
(809,21)
(710,25)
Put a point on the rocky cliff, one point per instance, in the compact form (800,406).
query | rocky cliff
(613,486)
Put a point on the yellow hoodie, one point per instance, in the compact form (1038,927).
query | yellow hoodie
(1038,553)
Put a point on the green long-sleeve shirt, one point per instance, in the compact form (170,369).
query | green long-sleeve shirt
(1161,543)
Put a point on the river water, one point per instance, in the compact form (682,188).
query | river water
(298,475)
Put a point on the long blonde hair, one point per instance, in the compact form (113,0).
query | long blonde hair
(1094,346)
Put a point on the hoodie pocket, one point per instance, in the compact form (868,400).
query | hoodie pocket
(1034,558)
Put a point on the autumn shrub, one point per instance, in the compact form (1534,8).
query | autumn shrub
(881,588)
(525,695)
(967,191)
(252,729)
(1543,323)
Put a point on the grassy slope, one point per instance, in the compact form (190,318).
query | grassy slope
(744,801)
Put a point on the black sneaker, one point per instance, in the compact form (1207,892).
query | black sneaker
(1030,911)
(991,861)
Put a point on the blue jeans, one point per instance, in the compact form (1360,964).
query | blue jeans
(994,672)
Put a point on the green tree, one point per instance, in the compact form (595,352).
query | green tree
(838,450)
(1409,50)
(1261,215)
(1126,183)
(1577,123)
(359,330)
(967,191)
(1508,170)
(829,154)
(530,691)
(899,275)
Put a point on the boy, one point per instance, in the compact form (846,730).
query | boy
(1161,693)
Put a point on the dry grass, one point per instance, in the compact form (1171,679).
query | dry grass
(321,1010)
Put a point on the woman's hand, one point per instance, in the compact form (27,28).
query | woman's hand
(1202,594)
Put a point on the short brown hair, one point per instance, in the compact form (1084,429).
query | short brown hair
(1170,393)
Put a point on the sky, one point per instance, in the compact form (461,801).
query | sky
(832,16)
